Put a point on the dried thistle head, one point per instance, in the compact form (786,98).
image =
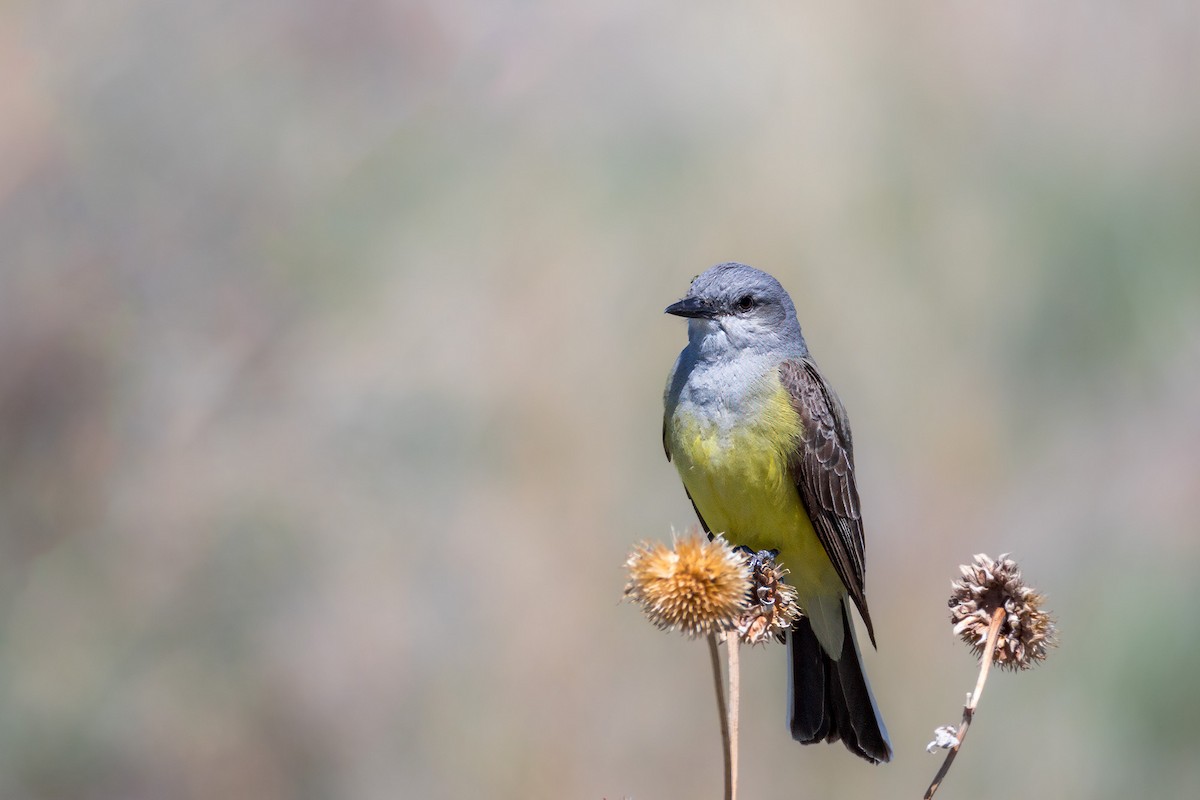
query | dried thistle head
(698,586)
(771,603)
(987,585)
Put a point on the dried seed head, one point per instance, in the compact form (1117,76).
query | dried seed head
(699,586)
(944,738)
(771,603)
(987,585)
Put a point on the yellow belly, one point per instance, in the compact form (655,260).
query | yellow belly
(740,481)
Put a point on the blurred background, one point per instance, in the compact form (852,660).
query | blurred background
(331,359)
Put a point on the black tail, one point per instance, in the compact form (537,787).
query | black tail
(832,700)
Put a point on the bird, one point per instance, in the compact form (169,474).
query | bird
(763,447)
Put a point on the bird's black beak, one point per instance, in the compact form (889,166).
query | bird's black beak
(693,308)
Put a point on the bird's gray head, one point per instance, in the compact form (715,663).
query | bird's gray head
(733,307)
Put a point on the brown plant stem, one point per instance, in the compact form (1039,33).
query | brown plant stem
(972,700)
(731,647)
(722,713)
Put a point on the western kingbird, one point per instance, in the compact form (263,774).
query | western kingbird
(763,446)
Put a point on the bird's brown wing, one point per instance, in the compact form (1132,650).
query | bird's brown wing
(823,470)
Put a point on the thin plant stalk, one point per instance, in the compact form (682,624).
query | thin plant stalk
(726,747)
(731,646)
(972,700)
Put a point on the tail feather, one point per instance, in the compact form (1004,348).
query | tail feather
(831,699)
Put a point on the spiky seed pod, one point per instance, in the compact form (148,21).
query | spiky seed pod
(986,585)
(771,602)
(699,586)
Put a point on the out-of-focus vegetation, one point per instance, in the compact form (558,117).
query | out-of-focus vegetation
(331,351)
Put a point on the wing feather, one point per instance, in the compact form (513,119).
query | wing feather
(823,470)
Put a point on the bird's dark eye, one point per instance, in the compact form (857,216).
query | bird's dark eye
(745,303)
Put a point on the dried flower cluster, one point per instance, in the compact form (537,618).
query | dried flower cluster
(987,585)
(771,602)
(698,587)
(944,738)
